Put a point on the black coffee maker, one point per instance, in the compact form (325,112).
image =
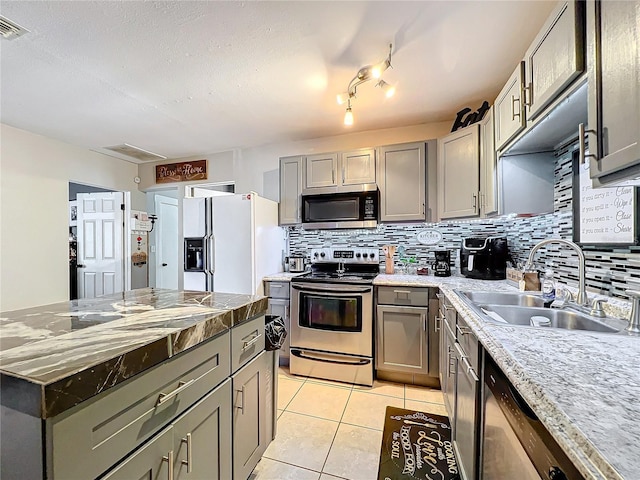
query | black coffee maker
(442,265)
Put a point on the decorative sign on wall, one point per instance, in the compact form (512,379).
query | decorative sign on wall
(181,172)
(429,237)
(471,117)
(603,215)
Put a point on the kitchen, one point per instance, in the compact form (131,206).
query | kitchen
(611,270)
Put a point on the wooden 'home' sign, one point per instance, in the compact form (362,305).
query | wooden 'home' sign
(181,172)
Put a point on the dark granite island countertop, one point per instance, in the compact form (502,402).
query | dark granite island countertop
(56,356)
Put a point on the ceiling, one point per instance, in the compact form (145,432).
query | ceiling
(195,77)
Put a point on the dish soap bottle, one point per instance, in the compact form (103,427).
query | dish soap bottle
(548,287)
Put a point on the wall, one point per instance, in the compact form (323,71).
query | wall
(35,172)
(610,271)
(257,169)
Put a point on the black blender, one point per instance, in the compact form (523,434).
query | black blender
(442,267)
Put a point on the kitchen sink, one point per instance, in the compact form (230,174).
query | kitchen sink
(517,308)
(559,318)
(502,298)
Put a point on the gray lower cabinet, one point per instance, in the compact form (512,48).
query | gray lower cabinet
(449,369)
(466,417)
(613,34)
(401,179)
(249,416)
(402,339)
(196,445)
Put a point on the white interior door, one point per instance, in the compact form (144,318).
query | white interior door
(167,242)
(100,244)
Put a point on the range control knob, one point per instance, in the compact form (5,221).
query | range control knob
(556,474)
(371,255)
(357,255)
(316,254)
(322,254)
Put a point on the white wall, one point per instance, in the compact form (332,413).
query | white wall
(35,172)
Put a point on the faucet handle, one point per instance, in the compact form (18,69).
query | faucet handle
(596,308)
(634,320)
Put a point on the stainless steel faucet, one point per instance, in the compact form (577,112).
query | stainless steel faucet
(582,298)
(634,320)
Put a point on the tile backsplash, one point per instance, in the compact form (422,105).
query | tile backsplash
(610,271)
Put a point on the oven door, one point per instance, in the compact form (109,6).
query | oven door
(332,317)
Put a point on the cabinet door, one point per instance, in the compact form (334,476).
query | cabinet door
(556,57)
(290,190)
(321,170)
(358,167)
(151,462)
(202,438)
(402,182)
(614,88)
(488,193)
(402,339)
(458,173)
(466,417)
(451,370)
(249,416)
(509,116)
(281,308)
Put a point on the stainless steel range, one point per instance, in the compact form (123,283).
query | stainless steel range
(332,316)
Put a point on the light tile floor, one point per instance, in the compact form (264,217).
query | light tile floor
(330,430)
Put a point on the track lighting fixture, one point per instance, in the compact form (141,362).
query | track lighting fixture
(365,74)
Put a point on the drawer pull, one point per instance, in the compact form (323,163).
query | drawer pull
(438,324)
(189,461)
(439,296)
(241,407)
(163,397)
(276,285)
(403,292)
(463,330)
(169,459)
(247,343)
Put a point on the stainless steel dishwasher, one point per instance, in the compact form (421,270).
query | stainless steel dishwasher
(515,444)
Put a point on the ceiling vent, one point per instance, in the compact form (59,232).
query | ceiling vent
(11,30)
(136,152)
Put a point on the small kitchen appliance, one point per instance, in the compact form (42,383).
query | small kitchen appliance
(332,316)
(296,264)
(341,210)
(442,265)
(484,258)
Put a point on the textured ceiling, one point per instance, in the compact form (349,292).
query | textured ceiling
(194,77)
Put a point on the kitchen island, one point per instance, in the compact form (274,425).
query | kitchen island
(584,386)
(56,361)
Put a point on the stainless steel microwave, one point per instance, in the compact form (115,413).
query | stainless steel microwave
(341,210)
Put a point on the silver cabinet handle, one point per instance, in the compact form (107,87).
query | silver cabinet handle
(438,324)
(342,174)
(241,407)
(247,343)
(404,292)
(581,143)
(449,363)
(475,202)
(169,459)
(333,176)
(424,212)
(514,114)
(287,312)
(528,95)
(276,285)
(189,461)
(163,397)
(470,369)
(423,317)
(463,330)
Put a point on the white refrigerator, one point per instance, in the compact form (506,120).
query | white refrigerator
(230,243)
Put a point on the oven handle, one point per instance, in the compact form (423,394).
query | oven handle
(299,354)
(335,291)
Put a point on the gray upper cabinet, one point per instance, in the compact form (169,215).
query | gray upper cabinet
(556,56)
(488,193)
(509,112)
(458,173)
(321,170)
(613,33)
(358,166)
(291,176)
(402,182)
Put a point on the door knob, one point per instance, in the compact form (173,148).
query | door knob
(164,264)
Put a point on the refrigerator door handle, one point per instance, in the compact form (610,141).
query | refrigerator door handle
(211,253)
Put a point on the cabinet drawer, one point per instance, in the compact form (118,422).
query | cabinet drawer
(448,312)
(276,289)
(468,342)
(96,434)
(414,296)
(247,341)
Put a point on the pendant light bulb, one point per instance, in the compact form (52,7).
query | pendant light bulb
(348,116)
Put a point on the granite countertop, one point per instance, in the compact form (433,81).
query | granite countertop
(584,386)
(64,353)
(283,276)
